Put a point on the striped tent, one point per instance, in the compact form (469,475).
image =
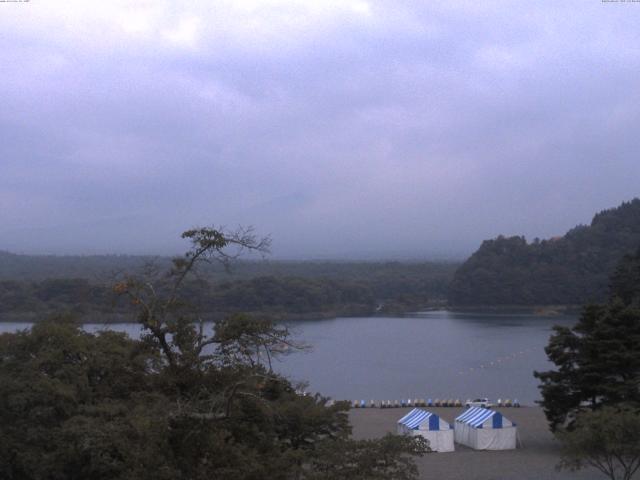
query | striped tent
(484,429)
(430,426)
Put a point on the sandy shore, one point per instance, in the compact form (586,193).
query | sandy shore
(536,460)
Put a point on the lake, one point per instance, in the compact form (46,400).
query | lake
(437,354)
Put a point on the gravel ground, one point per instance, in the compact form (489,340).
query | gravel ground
(536,459)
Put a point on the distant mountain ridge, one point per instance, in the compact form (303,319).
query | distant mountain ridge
(569,270)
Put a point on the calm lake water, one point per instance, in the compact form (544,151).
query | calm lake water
(426,355)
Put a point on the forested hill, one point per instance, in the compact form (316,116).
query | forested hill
(33,286)
(570,270)
(92,267)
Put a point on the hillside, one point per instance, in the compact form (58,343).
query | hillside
(32,287)
(570,270)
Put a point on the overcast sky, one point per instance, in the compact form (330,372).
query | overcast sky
(344,128)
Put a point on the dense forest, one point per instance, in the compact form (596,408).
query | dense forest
(570,270)
(598,359)
(175,404)
(31,286)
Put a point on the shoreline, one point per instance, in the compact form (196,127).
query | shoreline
(121,317)
(537,310)
(535,459)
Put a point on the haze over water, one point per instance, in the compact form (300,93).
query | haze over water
(429,355)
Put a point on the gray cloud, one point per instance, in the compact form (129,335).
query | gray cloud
(345,128)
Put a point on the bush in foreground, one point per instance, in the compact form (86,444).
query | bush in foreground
(180,403)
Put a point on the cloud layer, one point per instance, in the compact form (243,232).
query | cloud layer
(343,128)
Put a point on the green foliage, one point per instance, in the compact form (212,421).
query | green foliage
(625,282)
(598,363)
(44,267)
(388,457)
(177,404)
(74,405)
(570,270)
(291,289)
(598,359)
(607,439)
(38,285)
(53,295)
(71,402)
(290,295)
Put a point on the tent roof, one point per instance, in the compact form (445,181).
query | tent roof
(476,416)
(416,417)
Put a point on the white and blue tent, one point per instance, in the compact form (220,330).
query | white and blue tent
(430,426)
(484,429)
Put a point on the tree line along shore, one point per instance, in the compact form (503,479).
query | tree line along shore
(286,290)
(82,404)
(506,274)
